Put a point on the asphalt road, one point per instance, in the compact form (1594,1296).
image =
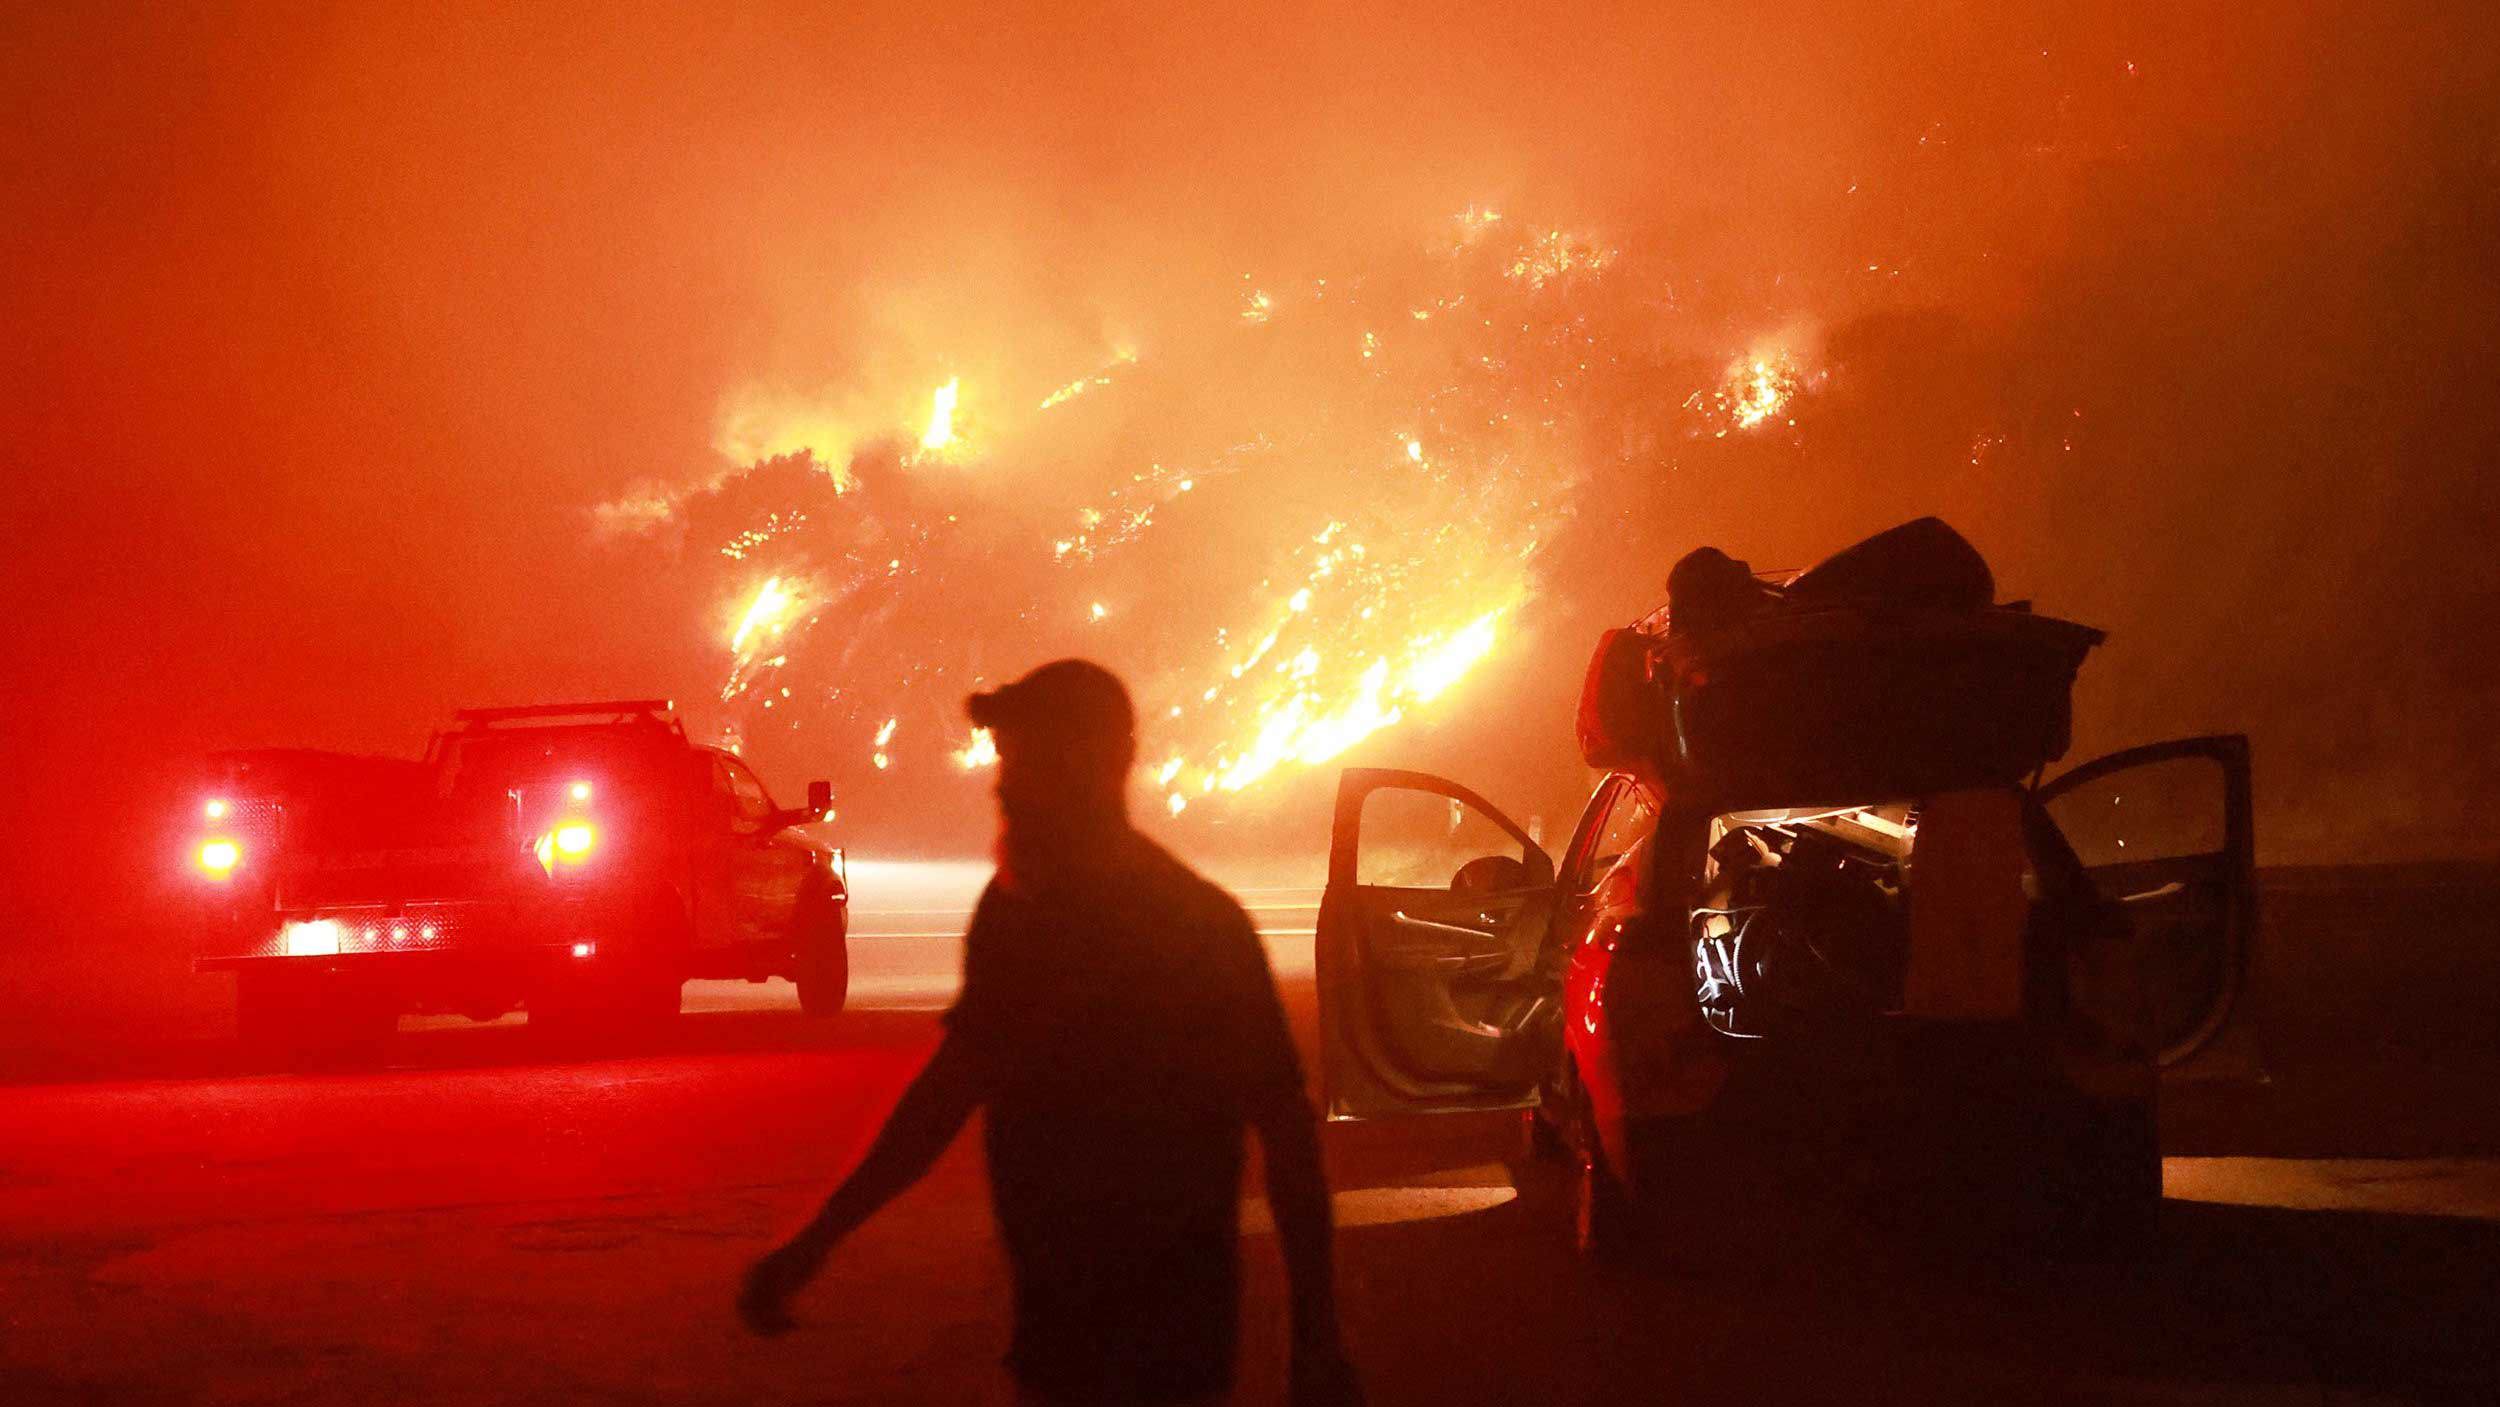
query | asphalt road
(485,1222)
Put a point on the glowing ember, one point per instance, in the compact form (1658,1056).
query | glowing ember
(1554,254)
(941,431)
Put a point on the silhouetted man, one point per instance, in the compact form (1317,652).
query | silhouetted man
(1120,1027)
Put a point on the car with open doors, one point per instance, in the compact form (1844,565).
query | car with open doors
(1829,953)
(579,860)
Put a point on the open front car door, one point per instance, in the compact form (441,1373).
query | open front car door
(2167,834)
(1438,985)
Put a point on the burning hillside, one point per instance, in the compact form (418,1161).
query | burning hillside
(1310,521)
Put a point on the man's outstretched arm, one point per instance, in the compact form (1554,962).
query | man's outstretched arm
(931,1112)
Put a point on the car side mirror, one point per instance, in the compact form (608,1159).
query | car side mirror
(820,797)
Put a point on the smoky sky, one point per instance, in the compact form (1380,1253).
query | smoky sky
(328,328)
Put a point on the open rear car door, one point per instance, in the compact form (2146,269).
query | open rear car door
(2167,833)
(1438,986)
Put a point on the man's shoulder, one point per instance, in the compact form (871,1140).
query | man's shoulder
(1192,893)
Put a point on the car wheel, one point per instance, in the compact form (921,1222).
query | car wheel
(1603,1224)
(1543,1126)
(824,960)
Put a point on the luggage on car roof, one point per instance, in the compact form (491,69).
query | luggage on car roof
(1885,671)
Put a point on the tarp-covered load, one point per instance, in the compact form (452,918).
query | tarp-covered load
(1886,671)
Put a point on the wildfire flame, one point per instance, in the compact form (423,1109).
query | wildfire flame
(1760,393)
(769,611)
(980,751)
(1379,518)
(941,431)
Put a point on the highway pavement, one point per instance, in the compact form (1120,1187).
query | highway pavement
(489,1221)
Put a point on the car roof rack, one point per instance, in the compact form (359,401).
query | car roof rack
(621,710)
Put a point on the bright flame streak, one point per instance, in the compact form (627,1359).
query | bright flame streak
(1100,376)
(1444,663)
(1302,728)
(941,431)
(770,607)
(981,752)
(886,734)
(1072,390)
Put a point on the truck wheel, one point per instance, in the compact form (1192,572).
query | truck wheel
(295,1020)
(824,958)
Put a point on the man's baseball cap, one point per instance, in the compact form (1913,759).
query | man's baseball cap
(1062,699)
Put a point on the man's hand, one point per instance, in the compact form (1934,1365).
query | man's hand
(923,1123)
(764,1301)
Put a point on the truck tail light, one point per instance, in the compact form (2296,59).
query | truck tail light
(312,938)
(568,844)
(218,857)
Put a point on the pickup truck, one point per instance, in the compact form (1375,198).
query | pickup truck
(580,861)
